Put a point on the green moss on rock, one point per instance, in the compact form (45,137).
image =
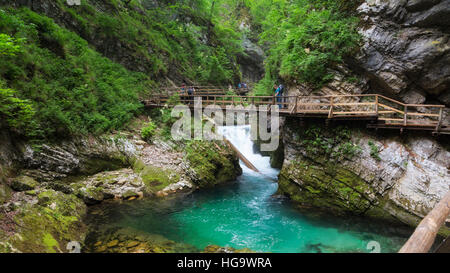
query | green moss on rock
(156,179)
(5,193)
(24,183)
(96,165)
(90,195)
(50,224)
(213,162)
(325,185)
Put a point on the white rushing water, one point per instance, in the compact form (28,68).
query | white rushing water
(239,136)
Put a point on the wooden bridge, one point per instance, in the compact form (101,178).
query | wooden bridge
(379,110)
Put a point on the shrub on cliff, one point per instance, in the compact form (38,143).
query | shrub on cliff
(148,131)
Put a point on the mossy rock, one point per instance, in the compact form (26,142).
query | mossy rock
(91,195)
(50,224)
(138,165)
(5,193)
(213,162)
(156,179)
(130,194)
(277,157)
(24,183)
(325,186)
(60,187)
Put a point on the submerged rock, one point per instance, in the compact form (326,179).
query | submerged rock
(128,240)
(219,249)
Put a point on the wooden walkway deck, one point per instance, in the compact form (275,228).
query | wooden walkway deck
(381,111)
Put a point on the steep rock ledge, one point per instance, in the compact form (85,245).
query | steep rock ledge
(348,170)
(406,51)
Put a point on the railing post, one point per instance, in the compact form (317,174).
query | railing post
(438,127)
(405,117)
(294,110)
(376,105)
(330,114)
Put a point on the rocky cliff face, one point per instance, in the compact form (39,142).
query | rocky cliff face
(251,61)
(406,51)
(350,170)
(405,55)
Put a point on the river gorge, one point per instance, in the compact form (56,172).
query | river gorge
(88,157)
(243,214)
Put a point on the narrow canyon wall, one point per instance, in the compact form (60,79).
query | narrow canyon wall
(406,51)
(350,170)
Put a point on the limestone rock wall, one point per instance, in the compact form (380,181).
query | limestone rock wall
(391,177)
(406,51)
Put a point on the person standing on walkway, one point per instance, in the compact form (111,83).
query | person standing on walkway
(278,94)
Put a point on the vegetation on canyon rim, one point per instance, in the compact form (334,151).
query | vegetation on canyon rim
(59,78)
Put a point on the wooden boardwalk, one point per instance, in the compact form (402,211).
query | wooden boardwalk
(379,110)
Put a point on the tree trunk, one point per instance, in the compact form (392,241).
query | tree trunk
(425,233)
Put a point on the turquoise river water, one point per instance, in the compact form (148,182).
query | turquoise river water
(246,214)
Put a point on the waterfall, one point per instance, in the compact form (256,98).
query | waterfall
(239,136)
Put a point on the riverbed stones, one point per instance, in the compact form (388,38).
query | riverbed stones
(128,240)
(113,243)
(219,249)
(132,244)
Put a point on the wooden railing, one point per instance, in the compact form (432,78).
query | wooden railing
(424,236)
(388,112)
(199,89)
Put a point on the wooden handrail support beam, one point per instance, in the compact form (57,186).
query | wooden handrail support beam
(423,237)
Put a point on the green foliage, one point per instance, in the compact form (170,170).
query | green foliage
(72,88)
(8,45)
(374,152)
(75,90)
(182,37)
(18,113)
(163,117)
(305,39)
(148,131)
